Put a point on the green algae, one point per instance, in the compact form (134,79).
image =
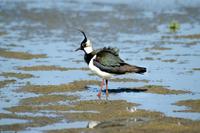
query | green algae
(189,36)
(156,89)
(148,58)
(35,121)
(48,68)
(16,75)
(119,109)
(174,26)
(157,48)
(72,86)
(155,124)
(46,99)
(169,60)
(102,105)
(193,104)
(6,82)
(14,45)
(113,116)
(36,108)
(20,55)
(191,43)
(3,33)
(121,119)
(196,69)
(82,84)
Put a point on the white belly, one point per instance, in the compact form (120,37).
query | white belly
(96,70)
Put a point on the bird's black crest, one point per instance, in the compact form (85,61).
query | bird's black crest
(85,39)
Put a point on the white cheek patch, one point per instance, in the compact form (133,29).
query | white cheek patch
(88,43)
(88,49)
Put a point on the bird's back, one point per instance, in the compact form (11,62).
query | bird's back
(108,60)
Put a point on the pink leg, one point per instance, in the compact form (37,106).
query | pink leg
(107,94)
(102,84)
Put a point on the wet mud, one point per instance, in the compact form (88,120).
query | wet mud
(6,82)
(193,105)
(20,55)
(48,68)
(16,75)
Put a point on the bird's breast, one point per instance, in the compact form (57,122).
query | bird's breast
(97,71)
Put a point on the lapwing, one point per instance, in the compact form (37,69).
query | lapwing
(106,62)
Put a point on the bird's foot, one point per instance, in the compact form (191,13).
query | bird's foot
(107,95)
(99,95)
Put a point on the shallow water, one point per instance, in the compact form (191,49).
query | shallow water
(137,28)
(11,121)
(61,125)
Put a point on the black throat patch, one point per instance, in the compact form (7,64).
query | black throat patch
(88,57)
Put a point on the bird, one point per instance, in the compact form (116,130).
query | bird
(105,62)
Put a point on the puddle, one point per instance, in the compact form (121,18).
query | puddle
(58,126)
(12,121)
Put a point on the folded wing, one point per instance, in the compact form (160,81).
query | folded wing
(108,60)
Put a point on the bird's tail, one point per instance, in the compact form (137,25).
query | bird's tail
(141,70)
(135,69)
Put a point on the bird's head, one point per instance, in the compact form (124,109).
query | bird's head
(86,45)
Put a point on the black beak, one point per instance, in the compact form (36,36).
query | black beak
(78,49)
